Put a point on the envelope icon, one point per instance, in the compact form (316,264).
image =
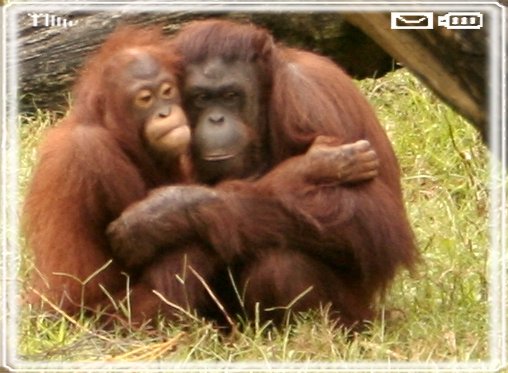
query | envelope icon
(412,20)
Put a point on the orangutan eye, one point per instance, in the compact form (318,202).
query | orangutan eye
(166,90)
(230,95)
(201,99)
(144,99)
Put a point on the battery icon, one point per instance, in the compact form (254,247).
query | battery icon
(461,20)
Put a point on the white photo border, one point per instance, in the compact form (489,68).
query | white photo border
(9,230)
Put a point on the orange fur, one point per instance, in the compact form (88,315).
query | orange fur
(91,167)
(280,234)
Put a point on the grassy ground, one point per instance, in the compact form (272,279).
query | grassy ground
(438,314)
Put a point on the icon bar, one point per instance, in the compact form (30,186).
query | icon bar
(425,20)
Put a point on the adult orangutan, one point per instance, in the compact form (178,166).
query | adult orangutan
(125,135)
(255,107)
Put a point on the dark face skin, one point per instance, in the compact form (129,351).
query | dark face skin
(148,95)
(223,104)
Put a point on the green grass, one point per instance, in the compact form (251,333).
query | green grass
(440,313)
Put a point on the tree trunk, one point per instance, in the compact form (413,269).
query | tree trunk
(450,62)
(49,58)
